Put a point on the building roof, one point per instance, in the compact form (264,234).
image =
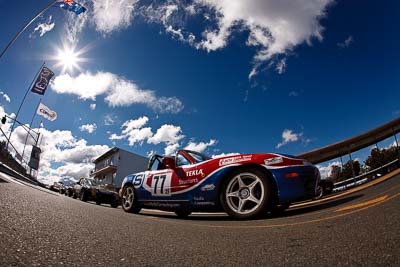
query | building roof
(352,144)
(110,152)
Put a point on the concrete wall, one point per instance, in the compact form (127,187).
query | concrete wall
(129,163)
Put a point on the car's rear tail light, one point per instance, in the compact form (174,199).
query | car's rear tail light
(291,175)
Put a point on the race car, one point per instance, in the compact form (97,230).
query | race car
(245,186)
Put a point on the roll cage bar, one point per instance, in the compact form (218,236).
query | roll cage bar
(159,158)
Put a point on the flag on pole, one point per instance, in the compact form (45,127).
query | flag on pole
(46,113)
(72,6)
(40,85)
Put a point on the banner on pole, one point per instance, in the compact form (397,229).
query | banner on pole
(72,6)
(40,85)
(46,113)
(35,158)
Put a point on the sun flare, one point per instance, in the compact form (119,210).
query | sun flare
(68,58)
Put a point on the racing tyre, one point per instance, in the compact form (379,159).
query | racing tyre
(129,203)
(245,194)
(183,213)
(83,196)
(319,192)
(114,203)
(98,202)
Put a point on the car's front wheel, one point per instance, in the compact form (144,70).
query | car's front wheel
(129,203)
(83,196)
(245,194)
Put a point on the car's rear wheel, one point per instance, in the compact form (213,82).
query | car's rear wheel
(129,203)
(319,192)
(245,194)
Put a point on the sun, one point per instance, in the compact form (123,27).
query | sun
(68,58)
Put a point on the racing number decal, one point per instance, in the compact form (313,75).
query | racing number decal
(161,185)
(137,180)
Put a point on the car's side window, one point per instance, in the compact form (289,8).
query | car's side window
(181,160)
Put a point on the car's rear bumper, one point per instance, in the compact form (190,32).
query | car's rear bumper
(300,185)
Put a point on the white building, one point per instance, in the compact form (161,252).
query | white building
(112,167)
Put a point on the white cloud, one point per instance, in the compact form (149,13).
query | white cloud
(112,15)
(201,146)
(75,24)
(110,119)
(171,149)
(133,131)
(117,90)
(294,93)
(134,124)
(85,86)
(326,170)
(275,26)
(289,136)
(346,43)
(5,96)
(43,28)
(168,134)
(93,106)
(90,128)
(72,156)
(281,66)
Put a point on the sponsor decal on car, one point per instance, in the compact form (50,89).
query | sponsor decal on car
(208,187)
(204,203)
(195,173)
(272,161)
(189,181)
(235,159)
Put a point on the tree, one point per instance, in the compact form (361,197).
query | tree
(349,167)
(378,157)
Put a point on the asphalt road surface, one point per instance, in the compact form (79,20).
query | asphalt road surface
(38,227)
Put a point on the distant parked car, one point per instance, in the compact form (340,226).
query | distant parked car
(61,189)
(90,190)
(55,187)
(69,190)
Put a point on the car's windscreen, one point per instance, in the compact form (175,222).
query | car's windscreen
(198,157)
(92,182)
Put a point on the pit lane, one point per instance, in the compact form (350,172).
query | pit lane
(331,207)
(358,228)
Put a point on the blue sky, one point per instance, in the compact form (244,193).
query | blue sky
(216,76)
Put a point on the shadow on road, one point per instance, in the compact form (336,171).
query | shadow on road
(287,213)
(318,207)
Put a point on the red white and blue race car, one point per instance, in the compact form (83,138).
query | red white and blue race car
(244,186)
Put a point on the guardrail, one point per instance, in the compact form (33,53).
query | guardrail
(7,170)
(365,177)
